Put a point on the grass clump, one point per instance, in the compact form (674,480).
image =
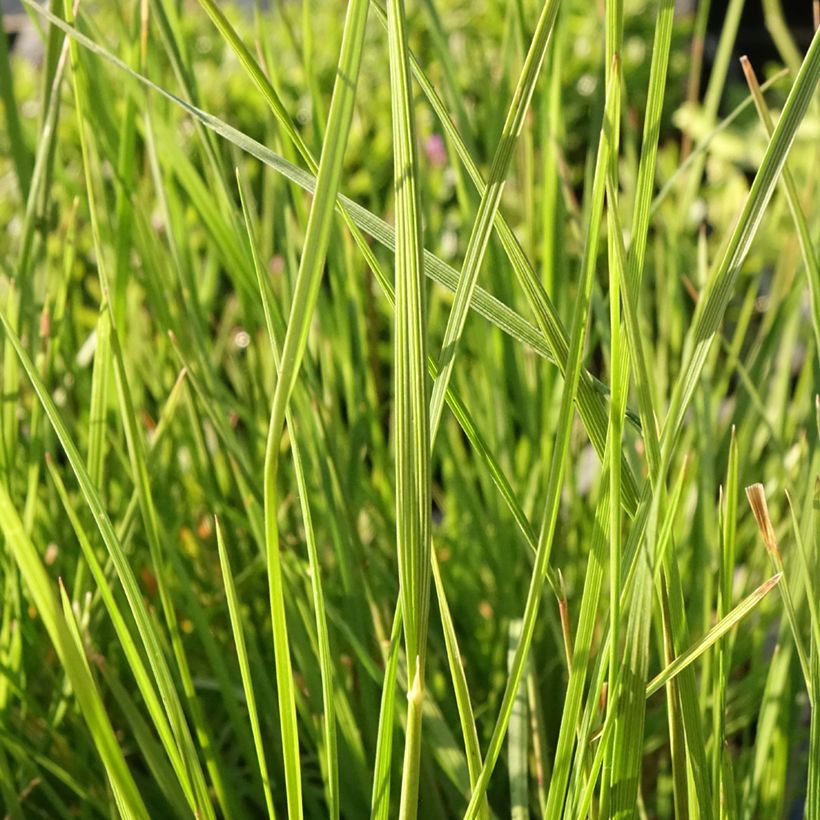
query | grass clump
(377,395)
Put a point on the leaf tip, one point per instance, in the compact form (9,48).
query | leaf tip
(757,501)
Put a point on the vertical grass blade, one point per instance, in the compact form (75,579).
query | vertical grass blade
(412,419)
(244,664)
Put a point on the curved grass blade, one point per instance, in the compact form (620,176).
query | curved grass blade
(74,662)
(326,666)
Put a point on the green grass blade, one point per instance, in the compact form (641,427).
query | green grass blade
(460,687)
(792,197)
(630,709)
(726,570)
(380,801)
(723,626)
(151,750)
(302,307)
(326,667)
(412,418)
(556,471)
(677,738)
(244,665)
(489,204)
(74,662)
(145,627)
(517,740)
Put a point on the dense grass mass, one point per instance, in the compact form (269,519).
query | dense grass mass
(409,410)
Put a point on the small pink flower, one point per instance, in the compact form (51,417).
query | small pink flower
(436,151)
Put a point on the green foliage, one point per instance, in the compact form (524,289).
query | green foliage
(378,388)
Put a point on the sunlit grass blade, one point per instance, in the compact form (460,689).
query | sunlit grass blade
(489,204)
(144,624)
(244,665)
(518,741)
(728,535)
(302,307)
(614,445)
(630,708)
(120,800)
(85,690)
(328,699)
(460,687)
(792,197)
(760,509)
(380,801)
(152,751)
(556,473)
(723,626)
(411,413)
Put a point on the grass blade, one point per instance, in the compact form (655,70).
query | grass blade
(73,661)
(412,419)
(723,626)
(489,204)
(244,664)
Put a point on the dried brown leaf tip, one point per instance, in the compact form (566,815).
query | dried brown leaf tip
(757,500)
